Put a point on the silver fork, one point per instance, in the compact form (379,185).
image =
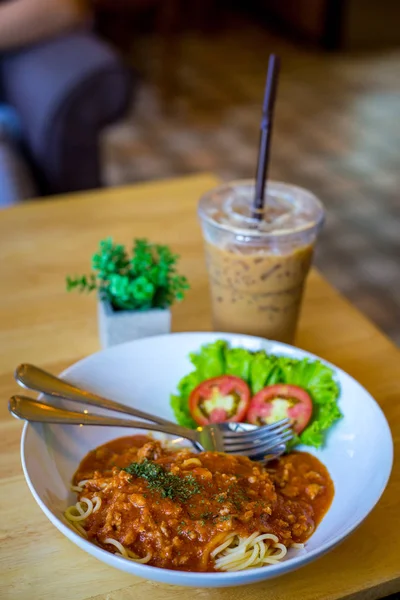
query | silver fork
(258,443)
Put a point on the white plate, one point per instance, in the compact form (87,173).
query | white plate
(358,453)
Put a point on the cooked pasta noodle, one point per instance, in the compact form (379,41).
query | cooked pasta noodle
(77,515)
(97,503)
(237,553)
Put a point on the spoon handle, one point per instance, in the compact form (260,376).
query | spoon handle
(33,411)
(36,379)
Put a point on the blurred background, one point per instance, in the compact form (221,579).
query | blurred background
(337,126)
(196,74)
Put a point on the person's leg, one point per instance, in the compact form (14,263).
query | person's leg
(9,121)
(16,181)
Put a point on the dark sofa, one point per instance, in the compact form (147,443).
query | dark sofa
(64,92)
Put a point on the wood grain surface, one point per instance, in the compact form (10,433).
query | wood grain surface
(39,322)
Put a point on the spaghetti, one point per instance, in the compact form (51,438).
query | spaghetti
(199,512)
(77,515)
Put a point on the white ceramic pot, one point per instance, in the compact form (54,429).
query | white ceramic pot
(116,327)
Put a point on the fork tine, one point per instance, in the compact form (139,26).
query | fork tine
(262,453)
(250,449)
(244,434)
(265,443)
(274,453)
(271,445)
(256,440)
(257,443)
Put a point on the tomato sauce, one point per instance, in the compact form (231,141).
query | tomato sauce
(183,504)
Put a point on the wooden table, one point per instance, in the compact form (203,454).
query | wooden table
(39,322)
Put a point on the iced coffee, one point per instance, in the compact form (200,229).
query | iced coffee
(258,263)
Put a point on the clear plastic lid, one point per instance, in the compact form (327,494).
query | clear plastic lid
(288,210)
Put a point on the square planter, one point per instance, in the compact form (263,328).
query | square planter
(116,327)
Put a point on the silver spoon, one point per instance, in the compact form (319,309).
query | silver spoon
(36,379)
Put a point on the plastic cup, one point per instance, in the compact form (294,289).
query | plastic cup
(258,267)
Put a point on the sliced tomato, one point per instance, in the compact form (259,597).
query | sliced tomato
(276,402)
(220,399)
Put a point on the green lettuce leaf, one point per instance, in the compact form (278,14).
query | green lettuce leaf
(264,371)
(210,361)
(188,383)
(180,406)
(318,380)
(180,403)
(238,362)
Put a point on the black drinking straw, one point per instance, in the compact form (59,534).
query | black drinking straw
(266,134)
